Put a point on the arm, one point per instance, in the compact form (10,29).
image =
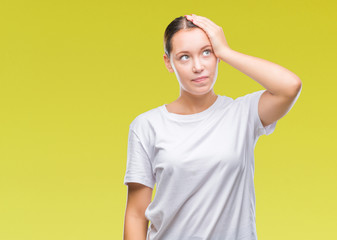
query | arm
(135,223)
(283,86)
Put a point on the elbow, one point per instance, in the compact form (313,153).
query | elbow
(295,87)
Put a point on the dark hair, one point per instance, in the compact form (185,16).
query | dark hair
(175,26)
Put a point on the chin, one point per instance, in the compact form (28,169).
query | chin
(201,90)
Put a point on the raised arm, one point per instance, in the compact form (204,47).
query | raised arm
(282,86)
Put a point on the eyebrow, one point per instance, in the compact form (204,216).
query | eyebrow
(200,48)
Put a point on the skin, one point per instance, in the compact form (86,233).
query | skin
(282,90)
(282,86)
(196,61)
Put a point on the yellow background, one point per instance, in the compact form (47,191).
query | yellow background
(74,74)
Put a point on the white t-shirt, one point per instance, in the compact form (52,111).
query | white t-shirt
(203,165)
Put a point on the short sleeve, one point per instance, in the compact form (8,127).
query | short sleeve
(259,128)
(138,166)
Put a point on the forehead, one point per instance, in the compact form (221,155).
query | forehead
(189,40)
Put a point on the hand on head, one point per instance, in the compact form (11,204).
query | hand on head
(214,32)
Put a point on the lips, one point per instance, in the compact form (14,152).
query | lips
(200,78)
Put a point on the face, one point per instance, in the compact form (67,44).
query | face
(192,57)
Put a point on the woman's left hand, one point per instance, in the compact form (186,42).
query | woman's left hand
(214,33)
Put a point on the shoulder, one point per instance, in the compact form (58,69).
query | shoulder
(145,120)
(223,99)
(143,127)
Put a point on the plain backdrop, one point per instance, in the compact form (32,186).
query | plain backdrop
(74,74)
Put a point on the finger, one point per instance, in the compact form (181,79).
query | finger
(204,24)
(189,17)
(203,19)
(200,22)
(210,23)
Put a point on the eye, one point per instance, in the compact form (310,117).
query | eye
(183,56)
(208,50)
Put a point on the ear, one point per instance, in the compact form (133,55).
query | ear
(167,63)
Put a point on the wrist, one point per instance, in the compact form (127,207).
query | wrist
(225,53)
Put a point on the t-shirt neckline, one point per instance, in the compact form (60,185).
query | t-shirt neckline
(190,117)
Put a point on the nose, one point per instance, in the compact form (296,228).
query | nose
(197,66)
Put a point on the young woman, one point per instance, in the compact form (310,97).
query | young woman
(199,149)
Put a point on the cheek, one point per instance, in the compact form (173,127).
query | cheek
(182,70)
(212,65)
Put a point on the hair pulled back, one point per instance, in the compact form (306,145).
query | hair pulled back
(176,25)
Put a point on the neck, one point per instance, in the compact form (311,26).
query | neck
(196,103)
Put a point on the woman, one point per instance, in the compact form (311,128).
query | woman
(199,149)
